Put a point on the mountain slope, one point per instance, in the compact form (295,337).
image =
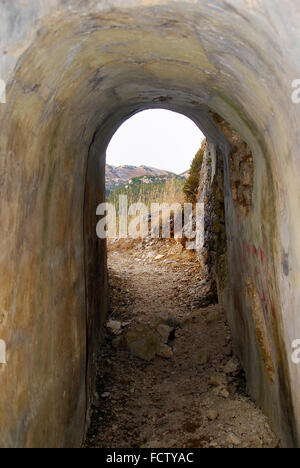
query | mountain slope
(119,176)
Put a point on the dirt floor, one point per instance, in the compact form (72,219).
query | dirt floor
(193,397)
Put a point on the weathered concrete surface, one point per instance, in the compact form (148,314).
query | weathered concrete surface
(75,71)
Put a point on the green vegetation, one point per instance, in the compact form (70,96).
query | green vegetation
(150,189)
(191,185)
(170,189)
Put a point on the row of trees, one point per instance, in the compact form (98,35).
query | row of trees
(157,190)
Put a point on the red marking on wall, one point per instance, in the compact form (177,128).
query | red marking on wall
(257,272)
(256,259)
(263,298)
(273,311)
(247,248)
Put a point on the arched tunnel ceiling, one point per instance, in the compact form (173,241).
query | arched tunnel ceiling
(192,54)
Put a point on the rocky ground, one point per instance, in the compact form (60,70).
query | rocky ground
(167,376)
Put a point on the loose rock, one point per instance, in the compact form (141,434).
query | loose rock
(224,393)
(231,367)
(114,326)
(233,439)
(165,351)
(143,342)
(164,332)
(212,415)
(218,379)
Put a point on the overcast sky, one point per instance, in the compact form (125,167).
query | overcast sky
(158,138)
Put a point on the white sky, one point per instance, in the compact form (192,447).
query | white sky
(158,138)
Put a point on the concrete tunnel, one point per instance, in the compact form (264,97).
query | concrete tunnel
(74,72)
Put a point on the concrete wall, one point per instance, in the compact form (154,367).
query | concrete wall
(75,70)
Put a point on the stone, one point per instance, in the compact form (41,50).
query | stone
(212,415)
(165,351)
(125,324)
(164,332)
(218,380)
(143,342)
(213,445)
(216,391)
(231,367)
(114,326)
(224,393)
(150,255)
(233,439)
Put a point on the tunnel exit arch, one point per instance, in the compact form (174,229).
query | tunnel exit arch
(83,69)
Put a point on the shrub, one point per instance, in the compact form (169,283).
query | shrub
(191,185)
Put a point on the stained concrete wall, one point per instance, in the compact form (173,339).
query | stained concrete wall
(75,70)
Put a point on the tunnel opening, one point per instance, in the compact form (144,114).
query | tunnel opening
(74,72)
(148,330)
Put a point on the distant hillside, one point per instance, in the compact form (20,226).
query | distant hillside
(119,176)
(150,189)
(185,174)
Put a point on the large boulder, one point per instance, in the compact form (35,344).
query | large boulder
(143,342)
